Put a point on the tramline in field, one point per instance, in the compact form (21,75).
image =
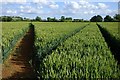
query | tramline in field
(48,32)
(66,49)
(11,33)
(111,27)
(85,55)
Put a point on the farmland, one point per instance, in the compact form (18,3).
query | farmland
(48,35)
(83,55)
(67,49)
(112,27)
(11,33)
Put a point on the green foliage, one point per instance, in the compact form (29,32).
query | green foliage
(108,19)
(64,52)
(11,33)
(51,19)
(97,18)
(62,18)
(85,55)
(112,27)
(38,18)
(77,20)
(6,18)
(117,17)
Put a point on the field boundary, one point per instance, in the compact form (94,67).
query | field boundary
(112,42)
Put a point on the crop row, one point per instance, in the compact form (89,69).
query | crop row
(66,50)
(46,32)
(112,42)
(85,55)
(48,35)
(11,33)
(53,36)
(112,28)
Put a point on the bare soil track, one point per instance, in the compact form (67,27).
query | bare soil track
(17,66)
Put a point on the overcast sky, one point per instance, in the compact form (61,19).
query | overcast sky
(83,9)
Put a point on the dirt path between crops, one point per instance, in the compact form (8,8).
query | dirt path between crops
(17,66)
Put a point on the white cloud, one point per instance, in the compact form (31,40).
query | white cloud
(67,8)
(75,5)
(19,1)
(72,4)
(41,1)
(11,12)
(85,12)
(30,10)
(46,3)
(102,6)
(39,7)
(54,6)
(21,7)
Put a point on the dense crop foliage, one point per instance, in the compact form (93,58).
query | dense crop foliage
(112,41)
(66,49)
(85,55)
(50,35)
(11,33)
(111,27)
(47,33)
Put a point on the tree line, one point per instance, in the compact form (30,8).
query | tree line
(96,18)
(107,18)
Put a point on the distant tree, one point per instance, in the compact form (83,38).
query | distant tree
(48,19)
(93,19)
(68,19)
(6,18)
(117,17)
(54,19)
(0,18)
(17,18)
(26,19)
(3,18)
(86,20)
(76,20)
(38,18)
(62,18)
(108,19)
(97,18)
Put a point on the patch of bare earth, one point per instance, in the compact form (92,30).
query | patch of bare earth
(17,65)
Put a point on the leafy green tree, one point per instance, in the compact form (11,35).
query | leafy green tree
(76,20)
(51,19)
(27,19)
(97,18)
(54,19)
(6,18)
(117,17)
(38,18)
(93,19)
(48,19)
(108,19)
(17,18)
(62,18)
(68,19)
